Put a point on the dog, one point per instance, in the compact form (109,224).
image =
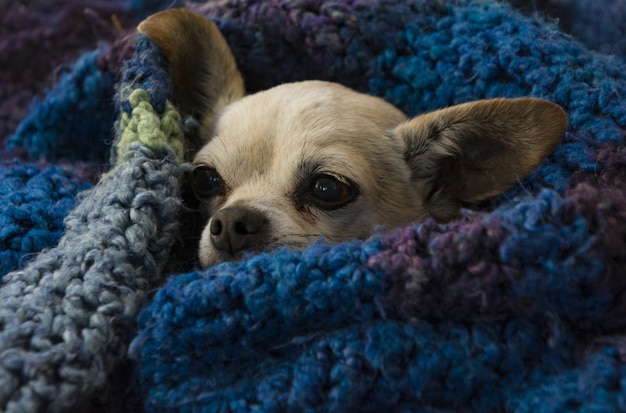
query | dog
(316,159)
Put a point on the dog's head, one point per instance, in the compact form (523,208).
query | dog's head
(310,159)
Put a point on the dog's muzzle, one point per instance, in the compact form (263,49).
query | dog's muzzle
(236,229)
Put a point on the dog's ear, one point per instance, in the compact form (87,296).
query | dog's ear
(467,153)
(204,73)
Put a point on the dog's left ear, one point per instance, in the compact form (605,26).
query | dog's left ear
(204,74)
(470,152)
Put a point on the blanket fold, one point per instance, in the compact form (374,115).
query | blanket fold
(68,316)
(518,306)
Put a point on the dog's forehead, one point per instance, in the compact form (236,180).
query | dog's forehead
(270,132)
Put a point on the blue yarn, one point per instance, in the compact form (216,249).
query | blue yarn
(74,119)
(552,248)
(33,204)
(148,72)
(596,385)
(595,23)
(371,366)
(456,57)
(277,316)
(144,8)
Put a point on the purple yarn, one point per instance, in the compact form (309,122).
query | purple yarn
(41,39)
(35,40)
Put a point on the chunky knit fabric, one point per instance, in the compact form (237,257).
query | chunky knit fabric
(517,307)
(595,23)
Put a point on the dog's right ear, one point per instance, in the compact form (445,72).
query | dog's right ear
(464,154)
(204,73)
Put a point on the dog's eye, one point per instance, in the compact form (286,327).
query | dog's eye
(206,182)
(328,192)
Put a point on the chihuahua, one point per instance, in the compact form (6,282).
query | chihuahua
(316,159)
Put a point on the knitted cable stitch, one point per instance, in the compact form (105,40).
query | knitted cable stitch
(516,307)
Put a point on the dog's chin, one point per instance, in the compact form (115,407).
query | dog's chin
(214,257)
(210,256)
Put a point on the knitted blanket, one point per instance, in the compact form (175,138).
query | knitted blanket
(515,307)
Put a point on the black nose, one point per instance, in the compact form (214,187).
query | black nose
(236,229)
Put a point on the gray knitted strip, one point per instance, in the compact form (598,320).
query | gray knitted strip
(66,320)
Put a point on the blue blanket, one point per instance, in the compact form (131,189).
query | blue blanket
(515,307)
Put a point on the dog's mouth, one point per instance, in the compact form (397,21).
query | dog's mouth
(216,256)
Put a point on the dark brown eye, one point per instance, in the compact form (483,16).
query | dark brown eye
(206,182)
(328,192)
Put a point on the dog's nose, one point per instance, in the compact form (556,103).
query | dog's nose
(236,229)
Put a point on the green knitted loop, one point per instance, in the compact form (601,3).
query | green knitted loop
(148,127)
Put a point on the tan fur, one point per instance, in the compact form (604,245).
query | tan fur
(470,152)
(204,73)
(269,147)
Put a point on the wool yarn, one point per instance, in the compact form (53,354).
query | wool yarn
(515,307)
(33,204)
(597,24)
(484,314)
(36,133)
(66,319)
(305,326)
(40,40)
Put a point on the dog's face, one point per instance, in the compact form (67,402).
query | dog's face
(300,161)
(310,159)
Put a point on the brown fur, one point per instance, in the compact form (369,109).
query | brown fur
(198,55)
(272,151)
(470,152)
